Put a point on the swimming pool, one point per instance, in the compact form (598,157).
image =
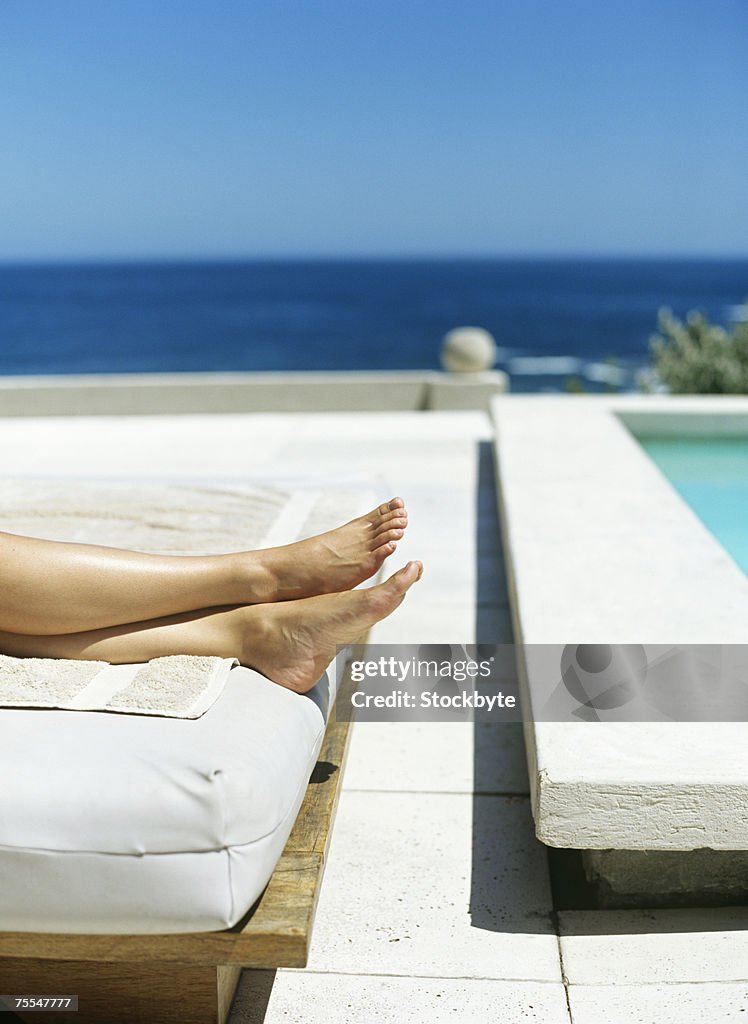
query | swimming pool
(711,475)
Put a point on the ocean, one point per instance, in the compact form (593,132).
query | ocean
(553,319)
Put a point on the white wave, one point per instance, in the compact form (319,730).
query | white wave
(544,366)
(605,373)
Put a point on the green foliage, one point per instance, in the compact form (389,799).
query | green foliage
(698,357)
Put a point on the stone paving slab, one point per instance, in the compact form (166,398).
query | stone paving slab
(458,575)
(408,462)
(658,1004)
(446,757)
(310,998)
(436,885)
(635,947)
(279,444)
(421,620)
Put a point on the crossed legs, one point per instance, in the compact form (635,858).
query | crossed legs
(281,610)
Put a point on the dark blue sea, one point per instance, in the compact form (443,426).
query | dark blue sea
(553,319)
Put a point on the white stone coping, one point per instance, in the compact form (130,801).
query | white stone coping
(308,391)
(601,548)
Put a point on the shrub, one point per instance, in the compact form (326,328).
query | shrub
(698,357)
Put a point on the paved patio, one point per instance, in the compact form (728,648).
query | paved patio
(436,903)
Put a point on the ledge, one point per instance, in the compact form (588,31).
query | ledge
(169,393)
(600,548)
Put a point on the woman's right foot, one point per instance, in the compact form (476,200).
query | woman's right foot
(293,642)
(326,564)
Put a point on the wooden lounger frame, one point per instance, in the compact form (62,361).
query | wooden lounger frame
(189,978)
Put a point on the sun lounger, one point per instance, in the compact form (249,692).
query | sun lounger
(144,860)
(190,977)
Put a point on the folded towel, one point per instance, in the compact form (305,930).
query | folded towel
(178,686)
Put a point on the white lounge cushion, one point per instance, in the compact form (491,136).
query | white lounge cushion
(136,824)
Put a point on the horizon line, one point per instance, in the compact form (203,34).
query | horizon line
(359,257)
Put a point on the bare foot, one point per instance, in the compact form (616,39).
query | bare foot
(330,562)
(292,643)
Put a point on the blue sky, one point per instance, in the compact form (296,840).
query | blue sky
(391,127)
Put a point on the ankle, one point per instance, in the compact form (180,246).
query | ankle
(252,581)
(254,635)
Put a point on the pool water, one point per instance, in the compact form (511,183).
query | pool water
(711,474)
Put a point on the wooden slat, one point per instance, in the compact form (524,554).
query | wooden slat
(277,933)
(311,833)
(227,979)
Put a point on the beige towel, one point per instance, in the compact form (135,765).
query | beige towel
(179,686)
(178,518)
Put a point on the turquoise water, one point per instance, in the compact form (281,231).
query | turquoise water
(711,474)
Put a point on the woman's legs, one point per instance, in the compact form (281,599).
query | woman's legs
(290,642)
(54,588)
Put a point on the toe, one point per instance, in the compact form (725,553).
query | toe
(379,553)
(390,506)
(386,509)
(386,537)
(393,521)
(409,574)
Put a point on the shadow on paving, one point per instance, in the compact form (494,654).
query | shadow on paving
(508,882)
(252,997)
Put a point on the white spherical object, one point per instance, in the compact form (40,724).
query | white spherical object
(468,350)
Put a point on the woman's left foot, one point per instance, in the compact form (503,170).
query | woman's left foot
(330,562)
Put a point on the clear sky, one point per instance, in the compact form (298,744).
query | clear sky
(387,127)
